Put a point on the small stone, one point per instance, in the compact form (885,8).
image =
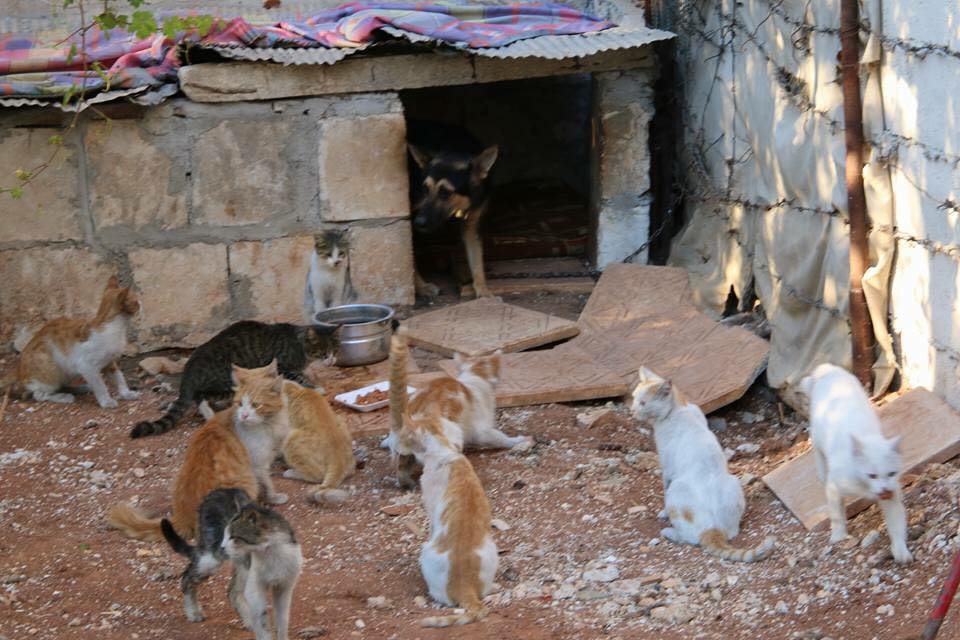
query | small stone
(311,632)
(732,580)
(420,601)
(159,364)
(591,594)
(100,478)
(869,539)
(394,510)
(675,613)
(360,624)
(607,574)
(12,578)
(672,583)
(637,508)
(378,602)
(717,424)
(499,525)
(643,460)
(750,418)
(75,622)
(885,610)
(588,419)
(90,424)
(564,592)
(748,448)
(782,607)
(711,581)
(803,599)
(746,479)
(138,472)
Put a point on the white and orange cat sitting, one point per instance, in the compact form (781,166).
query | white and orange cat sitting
(467,402)
(234,449)
(66,348)
(460,559)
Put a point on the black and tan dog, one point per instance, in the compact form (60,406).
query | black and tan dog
(453,189)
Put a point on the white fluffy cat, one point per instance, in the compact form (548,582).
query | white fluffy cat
(703,501)
(853,457)
(328,281)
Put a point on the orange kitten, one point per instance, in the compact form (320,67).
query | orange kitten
(234,449)
(467,402)
(318,447)
(66,348)
(460,559)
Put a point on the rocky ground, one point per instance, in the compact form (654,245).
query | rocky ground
(581,555)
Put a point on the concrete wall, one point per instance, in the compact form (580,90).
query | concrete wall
(207,211)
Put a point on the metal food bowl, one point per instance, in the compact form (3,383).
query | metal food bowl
(365,331)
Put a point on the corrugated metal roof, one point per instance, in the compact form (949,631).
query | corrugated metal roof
(557,47)
(106,96)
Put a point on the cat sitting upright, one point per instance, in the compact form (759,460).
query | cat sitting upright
(703,501)
(264,550)
(66,348)
(328,281)
(853,457)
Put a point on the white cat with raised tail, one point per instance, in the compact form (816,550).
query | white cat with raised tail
(854,459)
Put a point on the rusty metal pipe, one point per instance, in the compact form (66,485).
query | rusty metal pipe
(861,331)
(943,600)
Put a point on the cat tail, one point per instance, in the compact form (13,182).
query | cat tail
(399,356)
(714,542)
(134,524)
(176,543)
(473,611)
(168,421)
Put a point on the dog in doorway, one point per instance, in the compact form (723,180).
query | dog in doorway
(452,187)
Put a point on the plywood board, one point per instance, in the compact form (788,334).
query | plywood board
(541,377)
(931,433)
(712,364)
(626,293)
(482,326)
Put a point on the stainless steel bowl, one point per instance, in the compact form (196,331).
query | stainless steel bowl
(364,332)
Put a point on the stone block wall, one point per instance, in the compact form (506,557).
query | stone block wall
(207,210)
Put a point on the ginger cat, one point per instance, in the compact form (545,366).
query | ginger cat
(460,559)
(66,348)
(853,457)
(467,402)
(234,449)
(318,447)
(703,500)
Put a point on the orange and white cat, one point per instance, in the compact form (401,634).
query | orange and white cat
(460,559)
(318,447)
(467,402)
(703,500)
(234,449)
(66,348)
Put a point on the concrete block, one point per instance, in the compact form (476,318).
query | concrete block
(241,174)
(43,283)
(624,152)
(183,293)
(363,168)
(130,178)
(268,278)
(621,231)
(381,263)
(51,207)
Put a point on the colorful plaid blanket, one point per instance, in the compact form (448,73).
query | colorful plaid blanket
(28,69)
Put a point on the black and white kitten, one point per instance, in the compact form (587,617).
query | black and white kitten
(264,550)
(328,281)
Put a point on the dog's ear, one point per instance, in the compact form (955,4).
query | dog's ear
(421,157)
(482,164)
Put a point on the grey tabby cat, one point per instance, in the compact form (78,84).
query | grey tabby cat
(328,281)
(207,375)
(265,553)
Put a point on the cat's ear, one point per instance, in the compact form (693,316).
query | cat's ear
(113,283)
(856,444)
(484,162)
(895,443)
(644,374)
(271,368)
(665,390)
(421,157)
(237,374)
(458,357)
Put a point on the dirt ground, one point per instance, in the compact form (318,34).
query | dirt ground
(581,555)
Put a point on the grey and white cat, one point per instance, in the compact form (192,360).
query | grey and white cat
(265,553)
(328,281)
(853,457)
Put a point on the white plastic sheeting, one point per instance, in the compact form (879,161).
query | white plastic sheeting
(765,177)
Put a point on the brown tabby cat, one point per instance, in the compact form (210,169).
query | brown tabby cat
(234,449)
(318,447)
(67,347)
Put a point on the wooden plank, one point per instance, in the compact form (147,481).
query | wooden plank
(482,326)
(931,433)
(541,377)
(519,286)
(626,293)
(711,363)
(536,266)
